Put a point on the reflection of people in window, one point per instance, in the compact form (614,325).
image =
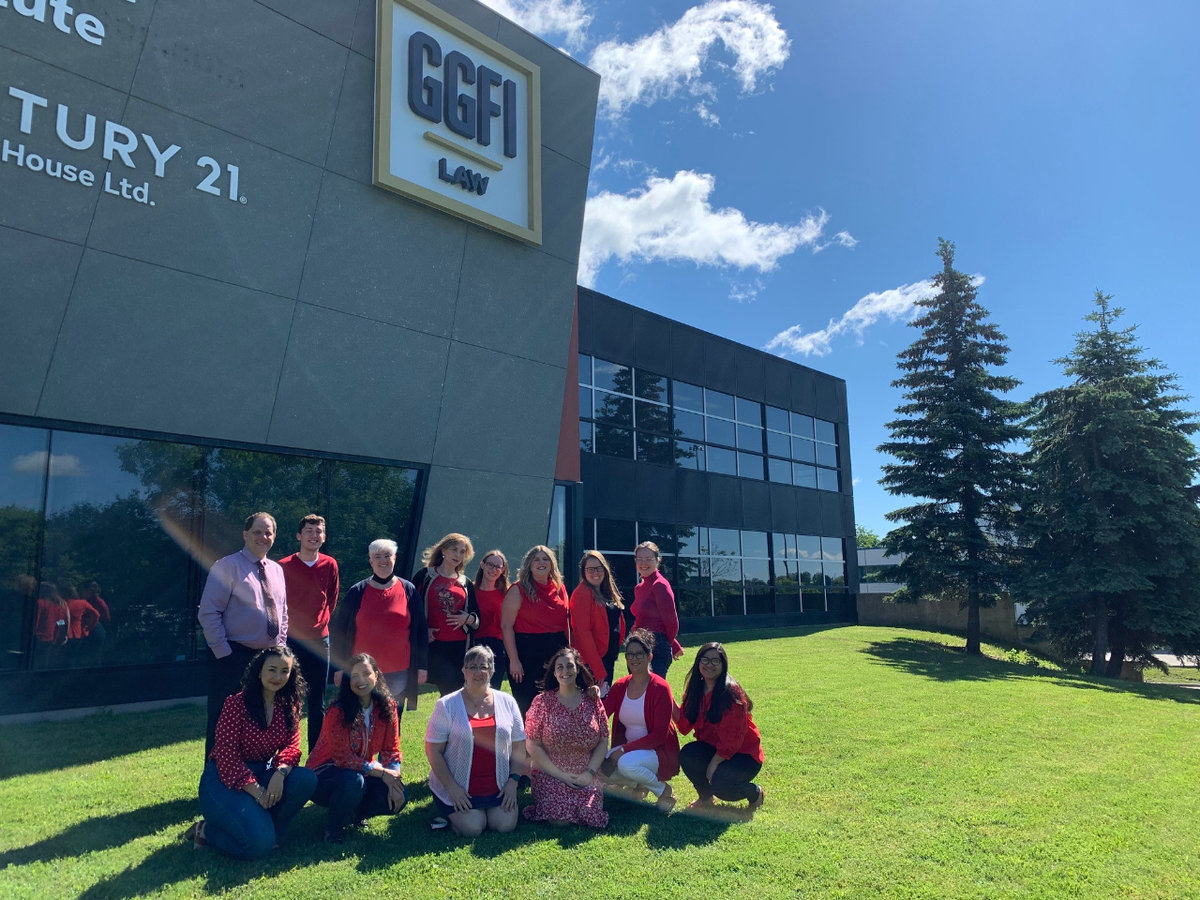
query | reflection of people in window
(51,624)
(85,634)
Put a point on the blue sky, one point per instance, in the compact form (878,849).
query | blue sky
(780,175)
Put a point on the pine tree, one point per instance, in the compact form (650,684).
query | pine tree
(1112,522)
(952,441)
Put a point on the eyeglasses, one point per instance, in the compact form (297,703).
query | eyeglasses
(635,656)
(709,660)
(593,570)
(492,565)
(477,668)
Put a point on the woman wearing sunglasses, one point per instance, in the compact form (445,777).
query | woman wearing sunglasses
(645,744)
(727,752)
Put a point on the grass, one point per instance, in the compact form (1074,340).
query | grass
(896,767)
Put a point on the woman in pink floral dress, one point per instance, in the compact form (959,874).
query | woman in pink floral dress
(566,733)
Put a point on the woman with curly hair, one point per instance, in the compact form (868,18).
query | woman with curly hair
(357,756)
(253,784)
(727,752)
(451,611)
(534,622)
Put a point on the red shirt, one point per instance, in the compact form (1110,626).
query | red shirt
(546,614)
(483,758)
(589,629)
(312,593)
(444,597)
(734,733)
(84,617)
(351,746)
(239,740)
(382,627)
(490,603)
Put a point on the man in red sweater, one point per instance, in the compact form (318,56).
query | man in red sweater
(312,593)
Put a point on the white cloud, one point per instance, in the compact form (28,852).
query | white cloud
(569,18)
(893,305)
(674,220)
(658,65)
(707,116)
(67,464)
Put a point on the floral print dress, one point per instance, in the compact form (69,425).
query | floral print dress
(569,736)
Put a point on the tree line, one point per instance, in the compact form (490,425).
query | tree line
(1080,502)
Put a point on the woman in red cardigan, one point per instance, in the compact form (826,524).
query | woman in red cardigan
(727,752)
(357,756)
(597,623)
(645,745)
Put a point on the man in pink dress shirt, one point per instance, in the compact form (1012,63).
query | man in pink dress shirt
(243,610)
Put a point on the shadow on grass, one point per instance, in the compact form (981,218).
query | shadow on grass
(101,833)
(937,661)
(107,735)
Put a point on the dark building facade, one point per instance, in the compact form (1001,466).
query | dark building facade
(735,462)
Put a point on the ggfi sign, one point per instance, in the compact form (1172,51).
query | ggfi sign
(457,120)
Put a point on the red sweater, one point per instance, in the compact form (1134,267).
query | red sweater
(662,737)
(84,617)
(312,593)
(653,607)
(239,740)
(49,614)
(350,747)
(589,629)
(735,733)
(384,623)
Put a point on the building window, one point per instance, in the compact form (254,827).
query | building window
(112,535)
(637,414)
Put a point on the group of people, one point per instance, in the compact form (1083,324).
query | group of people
(275,628)
(69,625)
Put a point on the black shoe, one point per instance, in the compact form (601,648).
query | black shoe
(335,835)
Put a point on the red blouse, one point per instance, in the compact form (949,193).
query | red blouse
(545,615)
(444,597)
(350,746)
(483,758)
(735,733)
(239,740)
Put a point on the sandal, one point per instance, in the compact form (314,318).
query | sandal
(666,801)
(195,834)
(700,804)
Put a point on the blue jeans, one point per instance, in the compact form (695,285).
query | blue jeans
(660,656)
(236,825)
(313,657)
(349,795)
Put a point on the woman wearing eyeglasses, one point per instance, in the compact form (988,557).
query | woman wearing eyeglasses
(597,626)
(491,584)
(645,744)
(727,752)
(475,744)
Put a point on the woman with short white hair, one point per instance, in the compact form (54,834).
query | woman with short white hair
(383,616)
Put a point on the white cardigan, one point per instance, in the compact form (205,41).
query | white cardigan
(449,723)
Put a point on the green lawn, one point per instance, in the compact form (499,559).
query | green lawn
(895,767)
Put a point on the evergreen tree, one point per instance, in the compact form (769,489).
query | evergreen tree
(951,443)
(1111,522)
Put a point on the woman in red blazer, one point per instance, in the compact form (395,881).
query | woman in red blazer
(645,744)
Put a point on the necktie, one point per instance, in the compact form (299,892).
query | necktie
(269,602)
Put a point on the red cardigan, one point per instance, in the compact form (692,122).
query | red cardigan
(345,747)
(589,630)
(735,733)
(662,738)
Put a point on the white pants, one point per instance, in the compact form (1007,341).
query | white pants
(639,768)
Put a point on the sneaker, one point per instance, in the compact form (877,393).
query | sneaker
(757,803)
(196,835)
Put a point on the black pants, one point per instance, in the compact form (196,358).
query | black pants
(313,657)
(501,661)
(224,678)
(445,665)
(534,651)
(732,780)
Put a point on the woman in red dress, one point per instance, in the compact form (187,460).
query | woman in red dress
(566,733)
